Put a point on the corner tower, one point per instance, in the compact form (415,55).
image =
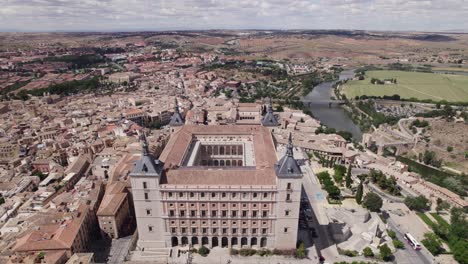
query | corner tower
(289,186)
(269,120)
(145,178)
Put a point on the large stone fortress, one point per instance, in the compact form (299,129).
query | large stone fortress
(218,186)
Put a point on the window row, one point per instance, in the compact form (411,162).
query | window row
(216,213)
(214,230)
(243,195)
(223,205)
(215,223)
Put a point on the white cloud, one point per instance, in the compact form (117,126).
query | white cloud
(49,15)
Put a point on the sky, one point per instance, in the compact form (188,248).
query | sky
(133,15)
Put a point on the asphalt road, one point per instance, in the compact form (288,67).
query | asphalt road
(408,255)
(324,244)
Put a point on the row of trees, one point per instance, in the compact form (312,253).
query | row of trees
(332,190)
(419,123)
(66,88)
(387,184)
(430,158)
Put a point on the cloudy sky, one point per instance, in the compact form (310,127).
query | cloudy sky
(127,15)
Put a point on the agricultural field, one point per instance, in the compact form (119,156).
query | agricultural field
(453,88)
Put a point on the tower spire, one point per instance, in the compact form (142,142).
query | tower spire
(290,146)
(176,105)
(144,145)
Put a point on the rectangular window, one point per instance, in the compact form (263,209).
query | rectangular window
(288,197)
(173,230)
(184,230)
(213,195)
(170,194)
(244,213)
(213,213)
(171,212)
(234,230)
(205,230)
(145,186)
(254,214)
(203,213)
(224,231)
(285,229)
(224,213)
(215,230)
(202,195)
(194,230)
(192,194)
(244,231)
(265,195)
(286,212)
(233,195)
(288,186)
(223,195)
(150,228)
(146,196)
(254,231)
(181,194)
(264,213)
(193,213)
(264,230)
(254,195)
(148,211)
(234,213)
(182,213)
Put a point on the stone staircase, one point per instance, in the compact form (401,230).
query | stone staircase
(153,255)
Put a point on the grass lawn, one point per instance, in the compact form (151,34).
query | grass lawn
(453,88)
(440,220)
(426,219)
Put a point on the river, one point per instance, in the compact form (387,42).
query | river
(333,116)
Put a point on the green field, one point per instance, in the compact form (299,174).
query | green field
(437,87)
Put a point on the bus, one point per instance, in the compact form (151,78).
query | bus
(413,242)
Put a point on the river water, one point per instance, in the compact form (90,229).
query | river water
(333,116)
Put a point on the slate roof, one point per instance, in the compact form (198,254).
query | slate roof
(287,166)
(147,165)
(176,119)
(269,119)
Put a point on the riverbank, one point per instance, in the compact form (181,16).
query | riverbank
(333,116)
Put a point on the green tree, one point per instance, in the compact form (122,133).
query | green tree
(373,202)
(349,180)
(442,205)
(367,252)
(419,203)
(301,251)
(203,251)
(359,193)
(433,243)
(449,148)
(398,244)
(385,252)
(391,234)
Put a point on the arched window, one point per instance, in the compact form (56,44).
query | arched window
(221,163)
(228,163)
(216,162)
